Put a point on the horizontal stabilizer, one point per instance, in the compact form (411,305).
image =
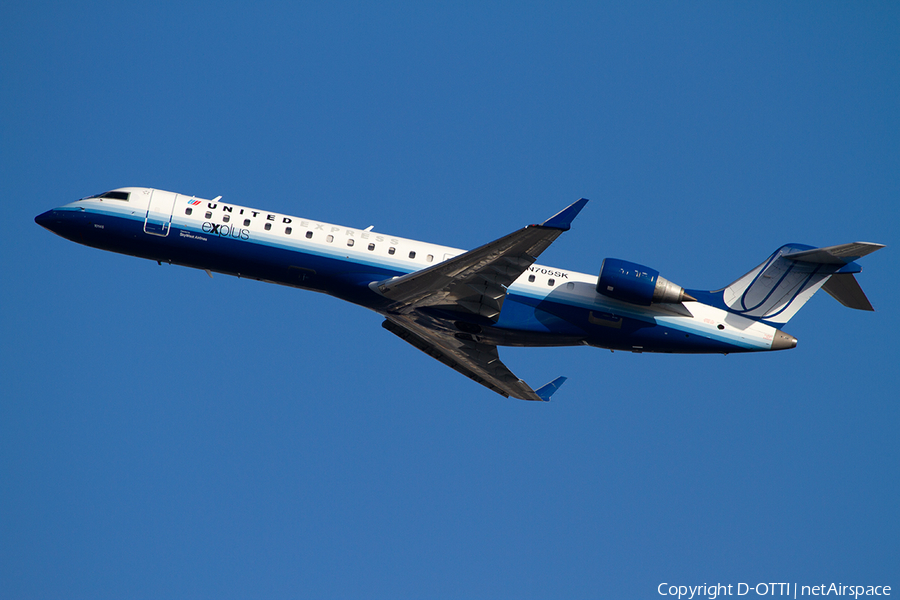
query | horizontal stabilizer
(835,255)
(844,288)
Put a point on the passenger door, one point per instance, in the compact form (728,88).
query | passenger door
(159,213)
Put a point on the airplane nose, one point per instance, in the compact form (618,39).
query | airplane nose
(46,219)
(59,222)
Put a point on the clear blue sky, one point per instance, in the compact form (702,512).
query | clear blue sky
(165,435)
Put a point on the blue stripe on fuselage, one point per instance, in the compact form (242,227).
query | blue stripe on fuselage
(556,317)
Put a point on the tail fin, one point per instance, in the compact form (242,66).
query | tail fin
(775,290)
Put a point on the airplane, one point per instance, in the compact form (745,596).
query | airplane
(458,306)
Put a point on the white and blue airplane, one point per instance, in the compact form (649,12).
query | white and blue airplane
(459,306)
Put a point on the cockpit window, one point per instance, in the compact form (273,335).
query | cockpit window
(111,196)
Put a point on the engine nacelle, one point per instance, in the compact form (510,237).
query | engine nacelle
(637,284)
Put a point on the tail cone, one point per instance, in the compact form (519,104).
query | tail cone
(783,341)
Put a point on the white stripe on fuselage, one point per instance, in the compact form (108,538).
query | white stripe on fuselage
(365,246)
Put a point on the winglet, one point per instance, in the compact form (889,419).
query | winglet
(563,219)
(549,389)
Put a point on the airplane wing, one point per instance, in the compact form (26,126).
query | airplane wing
(474,282)
(478,361)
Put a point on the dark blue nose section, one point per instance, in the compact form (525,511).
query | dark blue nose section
(47,220)
(65,223)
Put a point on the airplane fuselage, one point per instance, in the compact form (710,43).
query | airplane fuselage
(545,306)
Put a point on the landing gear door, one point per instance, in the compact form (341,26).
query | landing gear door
(159,213)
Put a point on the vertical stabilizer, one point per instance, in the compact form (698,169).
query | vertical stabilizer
(775,290)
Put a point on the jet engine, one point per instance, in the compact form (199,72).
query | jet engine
(637,284)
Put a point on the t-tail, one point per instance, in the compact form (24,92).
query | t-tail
(774,291)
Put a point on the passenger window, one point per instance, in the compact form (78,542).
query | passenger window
(188,210)
(412,254)
(531,278)
(226,218)
(391,250)
(570,286)
(329,238)
(429,258)
(246,222)
(371,247)
(350,242)
(551,282)
(288,230)
(208,215)
(309,235)
(268,226)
